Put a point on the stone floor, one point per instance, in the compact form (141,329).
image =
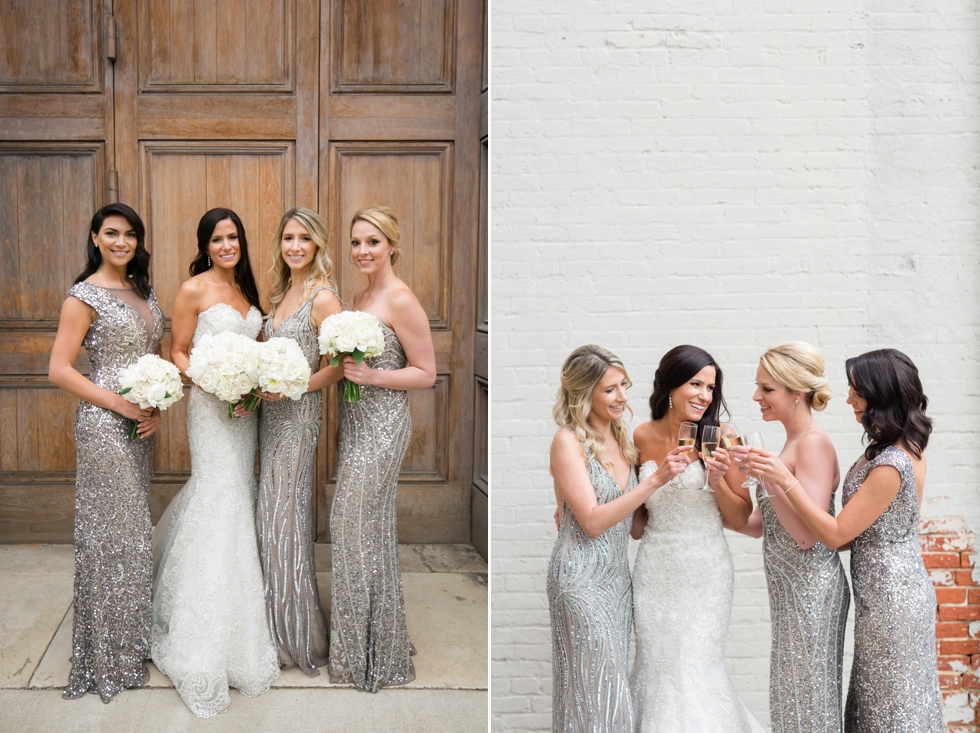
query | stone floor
(446,605)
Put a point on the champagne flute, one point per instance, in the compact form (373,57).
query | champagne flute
(732,439)
(709,444)
(754,440)
(687,436)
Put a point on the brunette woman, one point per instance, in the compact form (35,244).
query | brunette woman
(112,311)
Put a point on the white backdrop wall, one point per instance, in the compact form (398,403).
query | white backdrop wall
(731,176)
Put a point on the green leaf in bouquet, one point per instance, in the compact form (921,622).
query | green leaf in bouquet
(335,360)
(129,389)
(358,355)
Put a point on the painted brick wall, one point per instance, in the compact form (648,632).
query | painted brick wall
(728,175)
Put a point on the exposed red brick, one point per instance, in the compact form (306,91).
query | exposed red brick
(949,681)
(953,595)
(959,613)
(945,542)
(969,681)
(952,630)
(955,663)
(973,596)
(959,647)
(964,577)
(975,662)
(942,559)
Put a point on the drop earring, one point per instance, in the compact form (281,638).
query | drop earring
(209,260)
(670,402)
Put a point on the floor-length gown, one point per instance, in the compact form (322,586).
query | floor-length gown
(591,602)
(209,621)
(894,682)
(808,600)
(288,434)
(113,556)
(369,643)
(683,583)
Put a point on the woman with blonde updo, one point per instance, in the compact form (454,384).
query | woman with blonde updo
(589,591)
(369,644)
(808,594)
(301,295)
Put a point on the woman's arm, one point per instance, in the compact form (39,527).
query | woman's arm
(183,323)
(76,319)
(752,528)
(875,495)
(411,324)
(575,489)
(724,478)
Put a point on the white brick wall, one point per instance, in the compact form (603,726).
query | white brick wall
(727,175)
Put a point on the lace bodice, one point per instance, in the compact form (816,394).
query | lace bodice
(222,317)
(679,507)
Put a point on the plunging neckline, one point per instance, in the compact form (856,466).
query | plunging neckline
(610,474)
(112,295)
(275,328)
(229,305)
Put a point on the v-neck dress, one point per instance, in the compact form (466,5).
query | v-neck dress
(288,435)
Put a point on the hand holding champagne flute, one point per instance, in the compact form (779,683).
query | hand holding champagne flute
(709,444)
(754,440)
(687,435)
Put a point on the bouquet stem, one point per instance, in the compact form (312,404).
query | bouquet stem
(132,433)
(250,401)
(352,391)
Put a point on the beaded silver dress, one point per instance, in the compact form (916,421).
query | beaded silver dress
(808,600)
(369,643)
(288,434)
(113,556)
(894,682)
(591,601)
(210,630)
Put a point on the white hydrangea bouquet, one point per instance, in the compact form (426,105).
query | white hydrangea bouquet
(351,333)
(150,382)
(282,368)
(226,365)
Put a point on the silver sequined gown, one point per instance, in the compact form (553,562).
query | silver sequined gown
(369,643)
(808,600)
(894,683)
(288,434)
(591,602)
(113,557)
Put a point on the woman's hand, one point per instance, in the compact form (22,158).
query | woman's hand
(718,464)
(131,410)
(268,396)
(357,373)
(149,426)
(766,465)
(675,463)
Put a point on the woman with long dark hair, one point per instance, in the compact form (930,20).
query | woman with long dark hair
(894,683)
(683,577)
(112,311)
(209,622)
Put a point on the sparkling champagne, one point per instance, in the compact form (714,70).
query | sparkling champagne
(708,448)
(727,441)
(686,443)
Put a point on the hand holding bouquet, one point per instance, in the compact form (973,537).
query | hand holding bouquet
(351,333)
(225,365)
(282,368)
(150,382)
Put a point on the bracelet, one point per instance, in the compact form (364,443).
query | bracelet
(786,491)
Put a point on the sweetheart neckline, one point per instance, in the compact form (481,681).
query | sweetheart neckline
(228,305)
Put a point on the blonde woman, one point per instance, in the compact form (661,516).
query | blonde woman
(301,295)
(369,644)
(808,595)
(589,591)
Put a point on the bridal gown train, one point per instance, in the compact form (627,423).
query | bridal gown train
(209,619)
(683,581)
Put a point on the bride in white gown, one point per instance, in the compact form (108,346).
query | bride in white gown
(209,621)
(683,576)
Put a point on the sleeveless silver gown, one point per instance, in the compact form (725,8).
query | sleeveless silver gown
(288,434)
(808,600)
(591,601)
(369,644)
(894,682)
(113,555)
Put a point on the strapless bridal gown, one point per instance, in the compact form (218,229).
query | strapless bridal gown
(683,583)
(209,620)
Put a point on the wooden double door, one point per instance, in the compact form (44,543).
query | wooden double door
(178,106)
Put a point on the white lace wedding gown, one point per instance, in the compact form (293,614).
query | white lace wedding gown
(682,603)
(209,619)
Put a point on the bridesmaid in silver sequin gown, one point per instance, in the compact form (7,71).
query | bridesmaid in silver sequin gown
(894,681)
(808,593)
(113,312)
(589,590)
(301,297)
(369,644)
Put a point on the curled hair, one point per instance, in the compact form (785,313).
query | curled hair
(138,268)
(387,223)
(889,382)
(243,270)
(321,269)
(580,375)
(799,367)
(678,366)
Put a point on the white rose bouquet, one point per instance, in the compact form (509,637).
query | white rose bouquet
(225,365)
(150,382)
(351,333)
(282,368)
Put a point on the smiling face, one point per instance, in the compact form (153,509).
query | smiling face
(775,401)
(223,247)
(857,403)
(692,398)
(297,246)
(609,396)
(369,248)
(116,241)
